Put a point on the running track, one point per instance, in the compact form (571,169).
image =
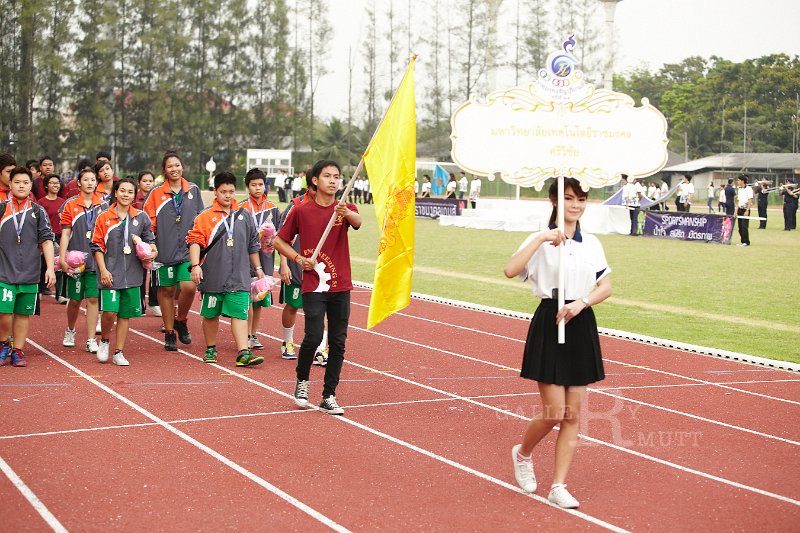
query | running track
(670,440)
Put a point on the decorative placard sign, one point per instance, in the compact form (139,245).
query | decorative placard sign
(559,126)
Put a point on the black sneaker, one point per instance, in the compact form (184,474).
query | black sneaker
(183,331)
(171,342)
(301,393)
(330,406)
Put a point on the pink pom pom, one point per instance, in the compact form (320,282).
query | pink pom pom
(259,288)
(266,234)
(143,250)
(75,258)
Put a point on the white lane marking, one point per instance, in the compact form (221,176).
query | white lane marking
(194,442)
(34,500)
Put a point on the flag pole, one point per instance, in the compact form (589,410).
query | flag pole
(359,167)
(561,257)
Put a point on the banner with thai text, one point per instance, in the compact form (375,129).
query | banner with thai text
(688,226)
(436,207)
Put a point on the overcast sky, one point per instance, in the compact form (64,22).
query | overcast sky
(648,32)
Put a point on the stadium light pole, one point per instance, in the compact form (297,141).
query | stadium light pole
(610,7)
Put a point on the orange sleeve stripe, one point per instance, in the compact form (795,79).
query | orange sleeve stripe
(100,231)
(201,231)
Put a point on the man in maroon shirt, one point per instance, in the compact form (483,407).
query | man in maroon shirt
(326,281)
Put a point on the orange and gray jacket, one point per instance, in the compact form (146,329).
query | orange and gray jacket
(109,238)
(82,220)
(261,213)
(225,268)
(171,218)
(19,261)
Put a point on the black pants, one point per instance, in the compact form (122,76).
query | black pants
(744,226)
(790,215)
(281,194)
(762,212)
(634,220)
(729,210)
(315,306)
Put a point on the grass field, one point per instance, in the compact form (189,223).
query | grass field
(742,299)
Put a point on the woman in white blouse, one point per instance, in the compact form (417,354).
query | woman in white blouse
(562,371)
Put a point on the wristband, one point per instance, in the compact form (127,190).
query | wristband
(192,267)
(259,268)
(296,258)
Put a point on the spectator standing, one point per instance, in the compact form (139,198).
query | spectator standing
(426,187)
(744,201)
(474,190)
(711,194)
(730,194)
(763,201)
(462,186)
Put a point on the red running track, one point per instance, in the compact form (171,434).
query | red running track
(670,440)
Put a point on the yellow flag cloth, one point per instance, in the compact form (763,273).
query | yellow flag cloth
(391,160)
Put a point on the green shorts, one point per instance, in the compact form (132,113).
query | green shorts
(83,285)
(291,295)
(18,298)
(231,304)
(169,276)
(127,303)
(266,302)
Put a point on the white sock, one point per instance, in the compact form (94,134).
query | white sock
(324,342)
(288,334)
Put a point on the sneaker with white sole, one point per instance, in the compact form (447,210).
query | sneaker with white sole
(330,406)
(523,470)
(156,310)
(91,345)
(287,350)
(102,351)
(559,495)
(69,338)
(254,343)
(119,359)
(301,393)
(321,357)
(61,300)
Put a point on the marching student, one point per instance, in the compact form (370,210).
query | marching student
(227,235)
(744,201)
(145,183)
(261,210)
(24,231)
(791,194)
(172,208)
(105,178)
(562,371)
(7,164)
(121,272)
(763,202)
(326,282)
(52,203)
(78,218)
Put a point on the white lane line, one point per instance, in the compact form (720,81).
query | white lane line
(596,441)
(34,500)
(194,442)
(403,443)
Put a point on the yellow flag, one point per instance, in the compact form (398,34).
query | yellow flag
(391,160)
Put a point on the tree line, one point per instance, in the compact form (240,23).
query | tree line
(137,77)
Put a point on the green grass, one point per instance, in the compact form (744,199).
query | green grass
(726,297)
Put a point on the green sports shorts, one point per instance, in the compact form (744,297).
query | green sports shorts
(231,304)
(169,276)
(18,298)
(266,302)
(126,303)
(83,285)
(291,295)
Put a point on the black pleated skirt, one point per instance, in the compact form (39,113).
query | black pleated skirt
(576,362)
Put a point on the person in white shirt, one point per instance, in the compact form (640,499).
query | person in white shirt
(474,190)
(450,192)
(416,188)
(663,192)
(297,186)
(562,371)
(685,194)
(426,187)
(744,201)
(631,197)
(711,194)
(652,191)
(462,186)
(280,180)
(721,198)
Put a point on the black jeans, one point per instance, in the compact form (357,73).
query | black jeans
(315,306)
(634,212)
(744,226)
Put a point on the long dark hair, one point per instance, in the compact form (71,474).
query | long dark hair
(552,193)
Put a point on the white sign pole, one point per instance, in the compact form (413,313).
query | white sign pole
(561,257)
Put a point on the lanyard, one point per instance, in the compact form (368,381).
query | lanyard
(177,203)
(126,230)
(258,220)
(229,228)
(19,223)
(90,215)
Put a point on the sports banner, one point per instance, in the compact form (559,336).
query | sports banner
(436,207)
(688,226)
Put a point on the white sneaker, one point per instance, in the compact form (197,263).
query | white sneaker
(102,351)
(91,345)
(98,329)
(119,359)
(523,470)
(69,338)
(156,310)
(559,495)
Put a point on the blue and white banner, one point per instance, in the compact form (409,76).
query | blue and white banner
(688,226)
(436,207)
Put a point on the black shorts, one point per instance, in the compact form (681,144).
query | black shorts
(576,362)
